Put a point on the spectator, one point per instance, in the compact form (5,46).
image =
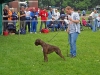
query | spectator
(22,17)
(84,13)
(79,13)
(84,23)
(95,15)
(34,15)
(56,14)
(50,14)
(5,17)
(98,20)
(62,12)
(9,16)
(44,16)
(62,22)
(14,16)
(28,16)
(52,24)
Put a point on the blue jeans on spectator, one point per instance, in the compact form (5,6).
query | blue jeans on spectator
(34,26)
(54,26)
(72,41)
(14,22)
(62,27)
(95,25)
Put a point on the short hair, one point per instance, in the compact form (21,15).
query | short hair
(68,7)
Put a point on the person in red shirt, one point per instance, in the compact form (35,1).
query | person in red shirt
(85,23)
(44,15)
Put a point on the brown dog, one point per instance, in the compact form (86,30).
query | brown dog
(47,49)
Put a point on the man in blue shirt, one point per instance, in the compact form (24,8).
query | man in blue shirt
(34,15)
(73,29)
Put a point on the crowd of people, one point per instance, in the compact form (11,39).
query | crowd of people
(53,19)
(92,21)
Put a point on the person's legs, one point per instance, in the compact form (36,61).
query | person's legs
(28,23)
(45,24)
(53,27)
(31,26)
(60,26)
(35,26)
(41,26)
(21,24)
(89,25)
(95,25)
(69,40)
(5,24)
(72,40)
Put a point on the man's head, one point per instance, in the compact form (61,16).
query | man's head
(56,10)
(22,8)
(6,7)
(50,9)
(33,9)
(27,9)
(68,10)
(44,9)
(63,9)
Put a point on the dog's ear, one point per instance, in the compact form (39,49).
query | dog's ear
(38,40)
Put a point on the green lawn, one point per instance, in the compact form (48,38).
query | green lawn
(19,55)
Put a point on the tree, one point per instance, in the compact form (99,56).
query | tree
(77,4)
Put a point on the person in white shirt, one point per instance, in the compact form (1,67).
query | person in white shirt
(56,14)
(27,12)
(98,20)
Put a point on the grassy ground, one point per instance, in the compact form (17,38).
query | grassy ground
(19,55)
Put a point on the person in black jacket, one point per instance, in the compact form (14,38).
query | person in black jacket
(5,18)
(22,17)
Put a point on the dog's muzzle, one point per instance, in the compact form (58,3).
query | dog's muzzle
(36,43)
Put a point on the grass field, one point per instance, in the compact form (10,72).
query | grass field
(19,55)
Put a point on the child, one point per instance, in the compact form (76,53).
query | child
(84,23)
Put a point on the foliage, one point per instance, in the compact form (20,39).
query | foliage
(77,4)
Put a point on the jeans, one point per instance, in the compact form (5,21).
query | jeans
(27,23)
(95,25)
(89,25)
(14,22)
(62,27)
(34,26)
(53,27)
(72,41)
(22,24)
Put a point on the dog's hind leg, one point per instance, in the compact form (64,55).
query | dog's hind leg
(59,53)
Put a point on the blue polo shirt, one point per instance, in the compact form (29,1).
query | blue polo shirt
(74,27)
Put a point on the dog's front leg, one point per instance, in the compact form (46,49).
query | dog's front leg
(45,57)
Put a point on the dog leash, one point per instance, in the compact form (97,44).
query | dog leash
(53,36)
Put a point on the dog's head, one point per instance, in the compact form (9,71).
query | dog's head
(37,42)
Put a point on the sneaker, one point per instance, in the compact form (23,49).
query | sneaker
(30,32)
(35,32)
